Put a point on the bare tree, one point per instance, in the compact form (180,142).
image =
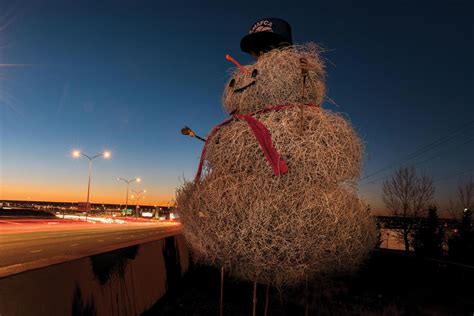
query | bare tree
(453,210)
(466,193)
(407,195)
(464,199)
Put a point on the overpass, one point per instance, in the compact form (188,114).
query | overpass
(394,222)
(51,266)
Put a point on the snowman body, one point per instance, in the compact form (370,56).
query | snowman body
(269,226)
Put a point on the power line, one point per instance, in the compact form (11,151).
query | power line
(467,171)
(440,153)
(422,149)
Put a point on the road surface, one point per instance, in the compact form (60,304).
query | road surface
(31,244)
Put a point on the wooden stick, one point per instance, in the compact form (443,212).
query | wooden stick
(306,296)
(281,301)
(266,300)
(254,298)
(222,291)
(302,105)
(304,73)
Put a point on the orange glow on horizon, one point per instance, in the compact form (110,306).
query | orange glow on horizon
(69,193)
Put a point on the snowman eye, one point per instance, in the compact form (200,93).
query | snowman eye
(232,83)
(254,73)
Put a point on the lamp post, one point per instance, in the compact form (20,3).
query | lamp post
(77,154)
(128,185)
(137,193)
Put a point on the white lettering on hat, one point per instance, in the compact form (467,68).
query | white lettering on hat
(262,26)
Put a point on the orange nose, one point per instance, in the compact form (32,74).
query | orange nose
(235,62)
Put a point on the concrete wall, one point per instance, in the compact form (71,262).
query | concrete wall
(126,281)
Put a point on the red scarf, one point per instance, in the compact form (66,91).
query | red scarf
(261,133)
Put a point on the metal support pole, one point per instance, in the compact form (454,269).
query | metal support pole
(89,187)
(126,199)
(266,300)
(254,301)
(89,183)
(128,189)
(221,311)
(77,154)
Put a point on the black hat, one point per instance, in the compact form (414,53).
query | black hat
(267,34)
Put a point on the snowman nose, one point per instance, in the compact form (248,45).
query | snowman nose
(235,62)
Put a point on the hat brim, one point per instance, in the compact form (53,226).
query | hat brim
(262,41)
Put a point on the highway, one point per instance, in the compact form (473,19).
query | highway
(31,244)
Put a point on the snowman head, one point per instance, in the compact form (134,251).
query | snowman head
(287,75)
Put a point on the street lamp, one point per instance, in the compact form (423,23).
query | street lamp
(128,184)
(137,193)
(77,154)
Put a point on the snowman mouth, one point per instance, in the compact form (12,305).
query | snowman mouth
(242,89)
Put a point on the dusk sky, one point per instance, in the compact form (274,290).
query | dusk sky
(126,77)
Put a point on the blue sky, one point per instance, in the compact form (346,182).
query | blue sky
(126,76)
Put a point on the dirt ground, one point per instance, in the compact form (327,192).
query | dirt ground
(390,283)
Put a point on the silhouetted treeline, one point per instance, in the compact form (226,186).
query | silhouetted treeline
(429,237)
(461,244)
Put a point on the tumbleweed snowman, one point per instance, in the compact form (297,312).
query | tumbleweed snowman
(274,197)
